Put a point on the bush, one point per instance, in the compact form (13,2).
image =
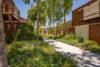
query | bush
(26,32)
(70,36)
(95,49)
(51,36)
(73,42)
(89,44)
(80,40)
(92,46)
(36,54)
(8,40)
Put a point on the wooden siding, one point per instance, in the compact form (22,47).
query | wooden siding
(71,29)
(92,11)
(77,18)
(10,29)
(11,18)
(82,31)
(9,8)
(94,32)
(86,13)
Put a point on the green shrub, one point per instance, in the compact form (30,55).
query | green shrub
(95,49)
(40,38)
(70,36)
(72,42)
(92,46)
(36,54)
(8,40)
(89,44)
(80,40)
(26,36)
(26,32)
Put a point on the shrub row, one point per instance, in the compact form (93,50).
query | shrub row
(89,44)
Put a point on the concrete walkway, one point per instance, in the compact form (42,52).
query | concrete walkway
(84,58)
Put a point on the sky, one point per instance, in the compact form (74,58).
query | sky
(23,8)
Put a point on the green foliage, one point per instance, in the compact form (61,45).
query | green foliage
(92,46)
(50,31)
(51,36)
(28,1)
(8,40)
(73,42)
(26,32)
(36,54)
(67,6)
(32,13)
(95,49)
(89,44)
(80,39)
(69,37)
(79,42)
(65,26)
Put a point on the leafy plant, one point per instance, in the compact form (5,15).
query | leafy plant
(89,44)
(36,54)
(73,42)
(95,49)
(8,40)
(80,39)
(26,32)
(69,37)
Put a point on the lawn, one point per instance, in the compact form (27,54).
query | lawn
(36,54)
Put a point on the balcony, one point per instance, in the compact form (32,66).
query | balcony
(9,8)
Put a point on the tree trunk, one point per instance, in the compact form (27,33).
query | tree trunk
(64,23)
(3,56)
(38,21)
(53,27)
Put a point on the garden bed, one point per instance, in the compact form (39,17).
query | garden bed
(36,54)
(79,42)
(86,45)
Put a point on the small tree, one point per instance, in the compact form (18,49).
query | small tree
(67,6)
(38,2)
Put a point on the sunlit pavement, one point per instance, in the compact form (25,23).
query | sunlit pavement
(84,58)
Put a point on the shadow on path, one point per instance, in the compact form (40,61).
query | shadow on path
(84,58)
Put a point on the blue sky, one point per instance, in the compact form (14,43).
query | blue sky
(24,8)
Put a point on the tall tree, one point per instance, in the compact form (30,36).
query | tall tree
(32,12)
(53,11)
(3,56)
(38,3)
(67,6)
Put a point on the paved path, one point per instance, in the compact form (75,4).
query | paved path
(84,58)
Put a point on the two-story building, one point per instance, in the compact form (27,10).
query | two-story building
(86,21)
(11,18)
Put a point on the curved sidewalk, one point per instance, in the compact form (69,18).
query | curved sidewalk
(84,58)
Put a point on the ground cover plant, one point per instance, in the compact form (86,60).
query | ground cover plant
(79,42)
(36,54)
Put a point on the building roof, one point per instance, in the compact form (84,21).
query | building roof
(90,2)
(69,22)
(22,20)
(44,27)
